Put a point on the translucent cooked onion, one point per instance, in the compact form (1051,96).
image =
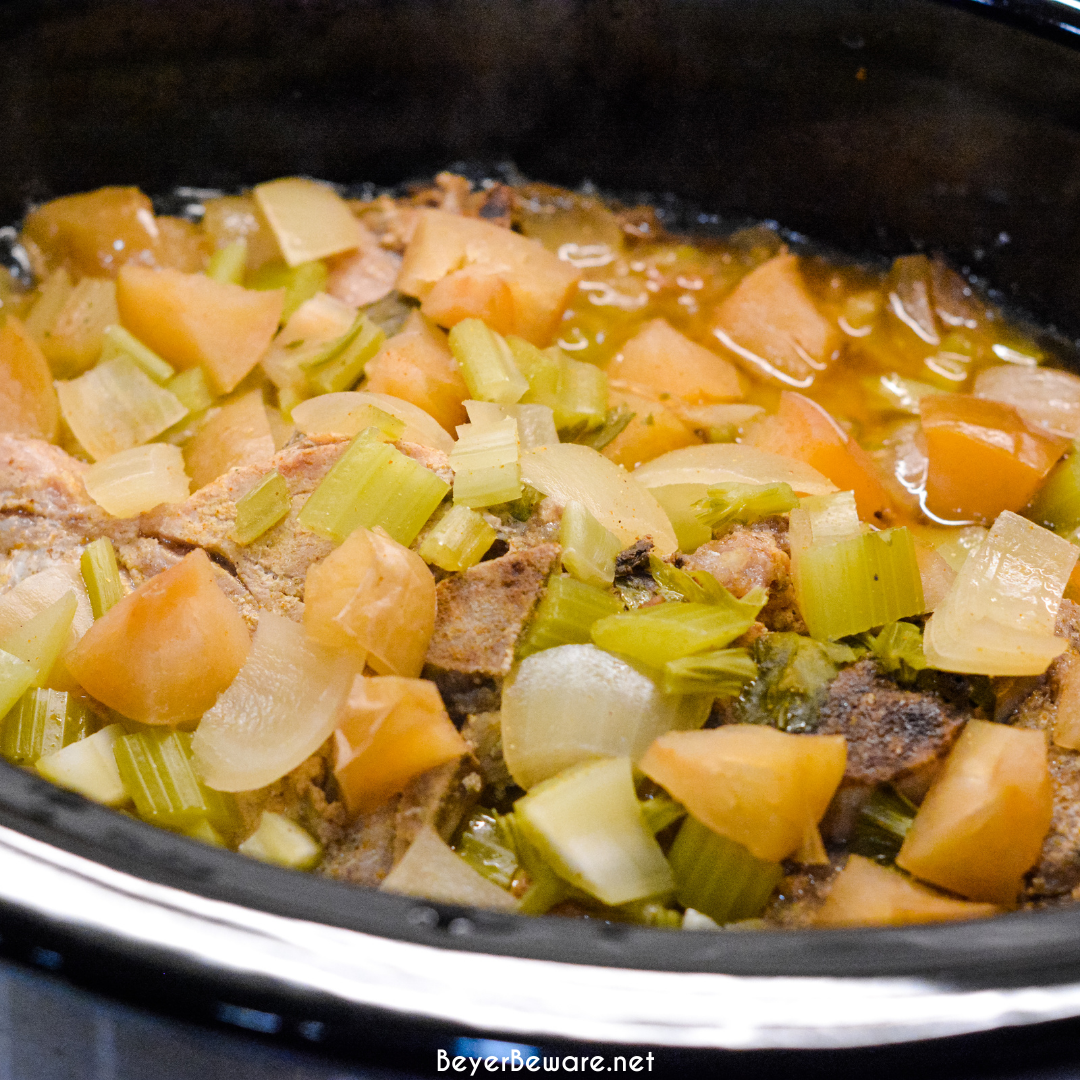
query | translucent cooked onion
(1044,397)
(278,711)
(998,617)
(137,480)
(572,472)
(724,463)
(575,702)
(344,414)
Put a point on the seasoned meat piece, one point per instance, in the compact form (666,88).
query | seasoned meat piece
(483,734)
(891,733)
(480,616)
(634,560)
(749,556)
(799,895)
(366,850)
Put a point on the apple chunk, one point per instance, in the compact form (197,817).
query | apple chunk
(163,653)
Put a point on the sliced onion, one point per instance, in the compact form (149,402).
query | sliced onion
(575,702)
(725,463)
(137,480)
(570,472)
(343,414)
(1043,396)
(278,711)
(999,615)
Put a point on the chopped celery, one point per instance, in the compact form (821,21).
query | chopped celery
(831,517)
(719,877)
(655,635)
(40,640)
(540,371)
(486,412)
(697,586)
(156,768)
(487,363)
(101,575)
(262,507)
(42,722)
(373,484)
(566,614)
(881,826)
(646,913)
(616,420)
(299,282)
(204,831)
(536,425)
(282,842)
(729,504)
(485,460)
(459,540)
(118,342)
(482,847)
(794,673)
(582,397)
(720,674)
(546,888)
(340,366)
(116,406)
(228,263)
(852,585)
(16,677)
(898,650)
(88,767)
(895,393)
(191,389)
(660,812)
(1057,505)
(587,824)
(678,501)
(588,549)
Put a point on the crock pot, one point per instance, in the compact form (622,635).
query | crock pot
(872,126)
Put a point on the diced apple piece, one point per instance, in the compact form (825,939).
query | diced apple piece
(192,320)
(982,457)
(350,412)
(375,595)
(364,277)
(391,730)
(417,366)
(666,362)
(310,220)
(866,894)
(472,294)
(654,430)
(803,430)
(51,296)
(238,217)
(163,653)
(540,282)
(758,786)
(182,245)
(28,404)
(771,325)
(238,435)
(88,767)
(97,231)
(74,341)
(983,821)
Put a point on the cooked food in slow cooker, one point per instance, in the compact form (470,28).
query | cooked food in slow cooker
(494,545)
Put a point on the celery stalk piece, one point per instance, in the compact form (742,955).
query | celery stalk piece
(540,370)
(191,389)
(656,635)
(719,877)
(536,425)
(42,722)
(720,674)
(831,517)
(615,423)
(40,641)
(587,824)
(881,826)
(566,614)
(101,575)
(486,464)
(204,831)
(481,846)
(88,767)
(16,677)
(588,549)
(487,363)
(898,650)
(156,769)
(728,504)
(119,342)
(300,283)
(282,842)
(116,406)
(661,811)
(1057,505)
(483,413)
(582,397)
(853,585)
(339,367)
(266,504)
(460,539)
(228,264)
(678,502)
(373,484)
